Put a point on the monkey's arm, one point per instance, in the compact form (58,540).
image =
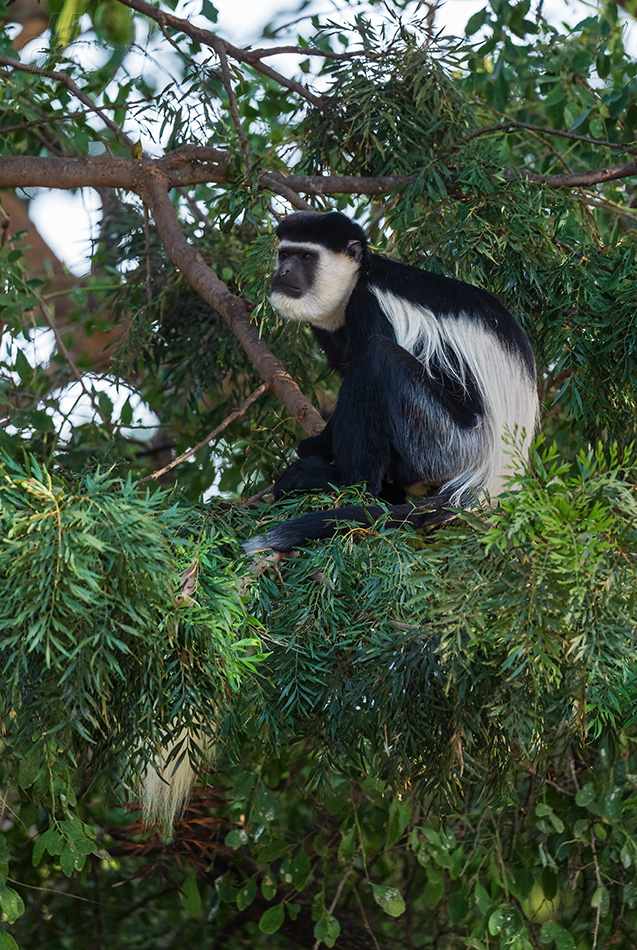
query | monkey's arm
(398,421)
(317,445)
(308,474)
(394,425)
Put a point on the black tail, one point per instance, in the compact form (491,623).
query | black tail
(323,524)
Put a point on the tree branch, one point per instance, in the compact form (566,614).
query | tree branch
(46,313)
(220,50)
(231,417)
(264,52)
(47,120)
(71,86)
(513,124)
(212,40)
(154,192)
(579,179)
(187,166)
(182,167)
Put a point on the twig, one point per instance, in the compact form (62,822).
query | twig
(259,495)
(47,120)
(286,192)
(220,49)
(573,770)
(235,414)
(5,224)
(365,920)
(66,80)
(149,278)
(339,891)
(599,884)
(513,124)
(175,45)
(208,38)
(264,52)
(52,890)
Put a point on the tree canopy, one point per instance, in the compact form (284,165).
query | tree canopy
(402,740)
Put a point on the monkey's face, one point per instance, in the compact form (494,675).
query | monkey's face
(313,283)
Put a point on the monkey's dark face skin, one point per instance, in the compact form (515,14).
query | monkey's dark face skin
(296,271)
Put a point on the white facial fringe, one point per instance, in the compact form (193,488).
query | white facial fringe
(324,304)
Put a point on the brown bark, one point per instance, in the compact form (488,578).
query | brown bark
(232,309)
(41,262)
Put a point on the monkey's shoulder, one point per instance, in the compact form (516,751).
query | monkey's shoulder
(445,298)
(443,295)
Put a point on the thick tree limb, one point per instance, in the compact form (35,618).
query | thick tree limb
(233,310)
(338,184)
(24,171)
(181,168)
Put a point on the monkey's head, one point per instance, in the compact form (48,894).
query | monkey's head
(318,264)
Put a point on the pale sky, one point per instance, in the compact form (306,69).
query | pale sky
(66,221)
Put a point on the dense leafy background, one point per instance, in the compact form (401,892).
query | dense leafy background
(415,742)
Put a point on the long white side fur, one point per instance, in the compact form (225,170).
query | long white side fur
(508,392)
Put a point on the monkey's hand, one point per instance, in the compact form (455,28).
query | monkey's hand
(319,446)
(310,474)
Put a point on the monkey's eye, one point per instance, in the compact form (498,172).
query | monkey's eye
(283,255)
(307,257)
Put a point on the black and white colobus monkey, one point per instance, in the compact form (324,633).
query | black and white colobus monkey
(435,372)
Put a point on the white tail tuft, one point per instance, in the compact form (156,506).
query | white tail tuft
(167,785)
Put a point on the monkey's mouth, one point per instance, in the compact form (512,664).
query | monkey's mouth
(288,289)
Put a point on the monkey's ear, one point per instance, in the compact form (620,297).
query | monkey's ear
(354,250)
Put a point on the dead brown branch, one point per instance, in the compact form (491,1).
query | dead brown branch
(231,417)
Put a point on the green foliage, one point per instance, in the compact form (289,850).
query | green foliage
(417,741)
(93,613)
(525,636)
